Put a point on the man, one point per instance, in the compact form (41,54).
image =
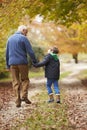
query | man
(18,46)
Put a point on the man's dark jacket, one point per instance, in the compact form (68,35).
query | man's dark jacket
(52,67)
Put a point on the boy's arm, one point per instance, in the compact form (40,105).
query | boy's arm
(42,63)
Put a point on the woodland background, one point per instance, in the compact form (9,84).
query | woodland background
(61,23)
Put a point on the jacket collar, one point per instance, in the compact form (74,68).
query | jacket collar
(18,32)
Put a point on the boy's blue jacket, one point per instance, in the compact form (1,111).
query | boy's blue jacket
(52,66)
(18,46)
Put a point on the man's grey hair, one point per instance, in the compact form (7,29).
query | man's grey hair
(21,28)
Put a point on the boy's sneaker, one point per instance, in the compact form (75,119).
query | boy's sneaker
(50,100)
(58,101)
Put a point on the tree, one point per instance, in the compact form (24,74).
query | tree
(68,40)
(12,13)
(60,11)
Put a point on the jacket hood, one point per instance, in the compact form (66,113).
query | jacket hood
(55,56)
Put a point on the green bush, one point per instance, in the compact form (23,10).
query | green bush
(4,75)
(39,53)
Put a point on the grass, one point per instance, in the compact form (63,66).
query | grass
(40,73)
(82,56)
(64,74)
(45,116)
(36,74)
(6,79)
(66,57)
(33,74)
(82,75)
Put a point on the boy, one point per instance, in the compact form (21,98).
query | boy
(52,73)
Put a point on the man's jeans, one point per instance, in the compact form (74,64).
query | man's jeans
(20,80)
(49,86)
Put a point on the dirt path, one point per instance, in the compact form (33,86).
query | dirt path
(77,113)
(76,98)
(10,115)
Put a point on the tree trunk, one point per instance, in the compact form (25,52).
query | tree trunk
(75,57)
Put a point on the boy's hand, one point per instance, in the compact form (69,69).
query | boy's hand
(35,64)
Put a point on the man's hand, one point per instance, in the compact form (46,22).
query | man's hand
(35,65)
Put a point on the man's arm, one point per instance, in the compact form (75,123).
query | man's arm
(30,51)
(7,56)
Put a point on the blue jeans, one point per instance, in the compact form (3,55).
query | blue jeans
(49,86)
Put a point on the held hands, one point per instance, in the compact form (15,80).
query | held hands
(35,65)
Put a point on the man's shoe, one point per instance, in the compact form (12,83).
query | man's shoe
(18,105)
(26,100)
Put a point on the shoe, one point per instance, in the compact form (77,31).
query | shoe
(18,105)
(58,101)
(26,100)
(50,100)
